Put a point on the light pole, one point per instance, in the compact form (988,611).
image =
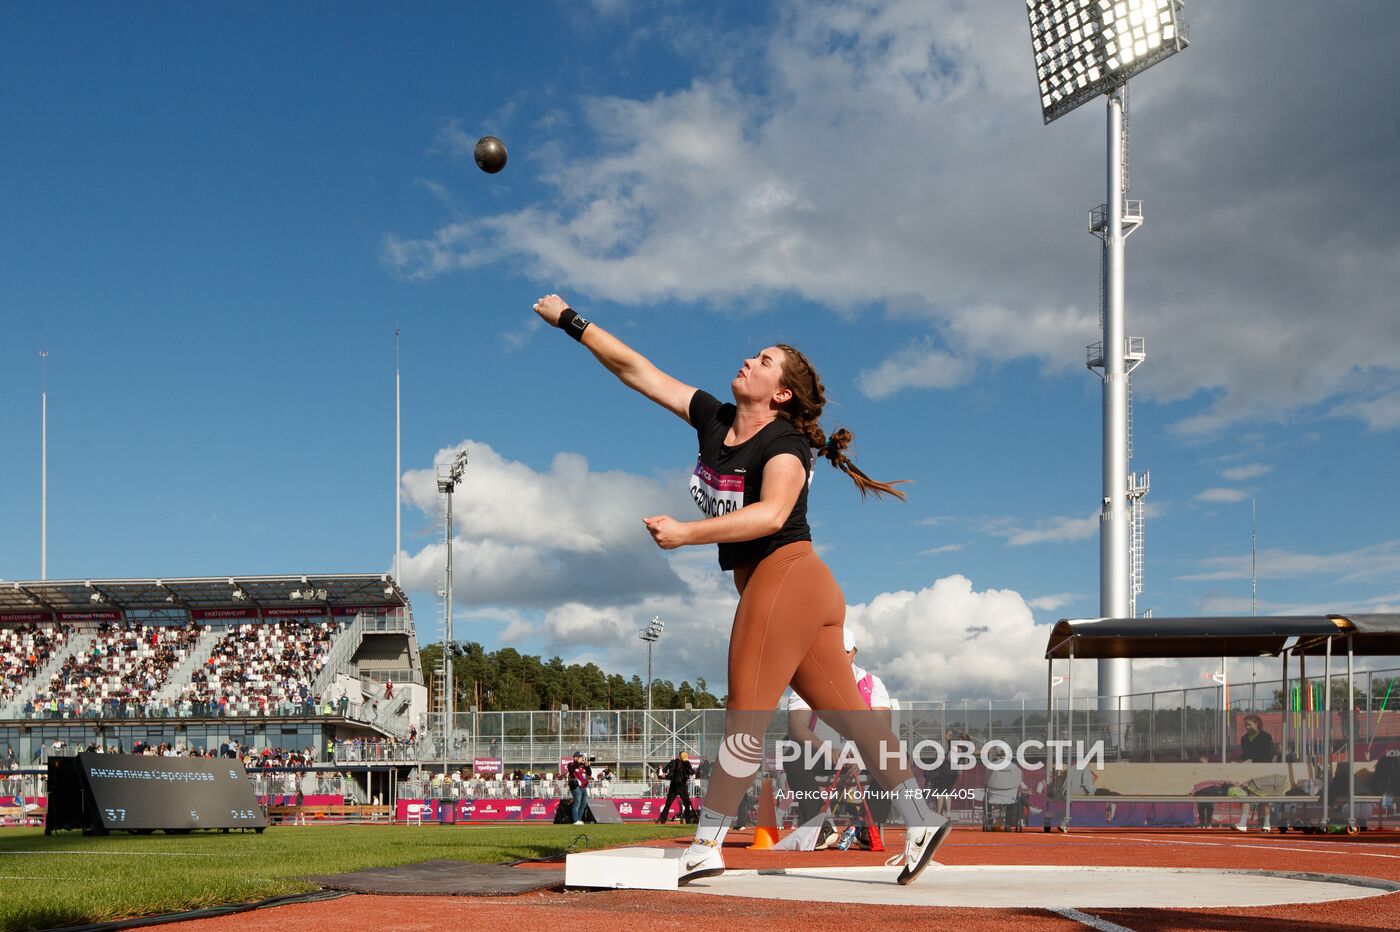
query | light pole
(563,710)
(651,634)
(44,467)
(449,475)
(476,751)
(1084,49)
(398,467)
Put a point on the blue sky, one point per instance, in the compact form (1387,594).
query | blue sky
(215,217)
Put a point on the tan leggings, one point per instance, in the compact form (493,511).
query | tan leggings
(788,629)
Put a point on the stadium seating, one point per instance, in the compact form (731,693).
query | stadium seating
(118,675)
(23,650)
(260,669)
(125,670)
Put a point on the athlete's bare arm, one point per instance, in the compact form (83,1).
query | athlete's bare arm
(783,479)
(631,367)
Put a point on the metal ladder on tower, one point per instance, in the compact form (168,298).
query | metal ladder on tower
(1138,487)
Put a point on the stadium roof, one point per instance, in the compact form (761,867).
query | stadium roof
(246,595)
(1375,636)
(1250,636)
(1230,636)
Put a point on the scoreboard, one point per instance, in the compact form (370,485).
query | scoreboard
(105,792)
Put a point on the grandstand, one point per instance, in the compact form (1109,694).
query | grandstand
(298,663)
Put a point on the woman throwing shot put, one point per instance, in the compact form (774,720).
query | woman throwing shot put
(750,484)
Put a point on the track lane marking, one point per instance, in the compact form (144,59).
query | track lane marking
(1336,849)
(1093,922)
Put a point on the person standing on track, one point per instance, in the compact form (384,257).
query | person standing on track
(579,775)
(750,484)
(678,772)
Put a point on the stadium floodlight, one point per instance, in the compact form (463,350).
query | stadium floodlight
(1084,48)
(449,475)
(651,634)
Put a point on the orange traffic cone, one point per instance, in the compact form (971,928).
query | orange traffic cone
(765,833)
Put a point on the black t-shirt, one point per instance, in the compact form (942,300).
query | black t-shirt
(1259,749)
(728,478)
(679,772)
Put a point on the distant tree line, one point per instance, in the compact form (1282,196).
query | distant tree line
(506,680)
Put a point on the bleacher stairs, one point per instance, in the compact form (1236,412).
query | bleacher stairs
(392,716)
(195,658)
(338,659)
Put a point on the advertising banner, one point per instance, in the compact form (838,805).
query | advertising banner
(466,811)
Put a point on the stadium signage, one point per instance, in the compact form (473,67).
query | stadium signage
(632,809)
(487,765)
(363,609)
(300,611)
(111,615)
(202,614)
(26,616)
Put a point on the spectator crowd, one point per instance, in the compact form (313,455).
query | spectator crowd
(119,675)
(23,650)
(258,669)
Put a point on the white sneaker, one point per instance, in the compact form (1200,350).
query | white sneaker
(1241,828)
(579,822)
(919,846)
(699,861)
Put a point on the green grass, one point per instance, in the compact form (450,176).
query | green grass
(68,879)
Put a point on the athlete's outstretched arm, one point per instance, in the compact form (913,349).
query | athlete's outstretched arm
(631,367)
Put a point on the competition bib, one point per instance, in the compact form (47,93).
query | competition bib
(714,493)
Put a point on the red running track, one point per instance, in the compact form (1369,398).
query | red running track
(1369,855)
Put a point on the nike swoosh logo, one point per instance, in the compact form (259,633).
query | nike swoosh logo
(691,865)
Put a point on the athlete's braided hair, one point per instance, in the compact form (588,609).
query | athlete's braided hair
(804,411)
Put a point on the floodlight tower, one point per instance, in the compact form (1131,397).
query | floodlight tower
(651,634)
(1084,48)
(449,475)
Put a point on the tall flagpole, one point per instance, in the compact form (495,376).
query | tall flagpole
(44,466)
(398,467)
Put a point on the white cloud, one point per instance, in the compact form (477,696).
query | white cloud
(951,641)
(946,548)
(1249,471)
(1243,605)
(1055,602)
(1221,496)
(529,538)
(1381,413)
(1053,531)
(914,367)
(574,623)
(693,644)
(454,141)
(1348,566)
